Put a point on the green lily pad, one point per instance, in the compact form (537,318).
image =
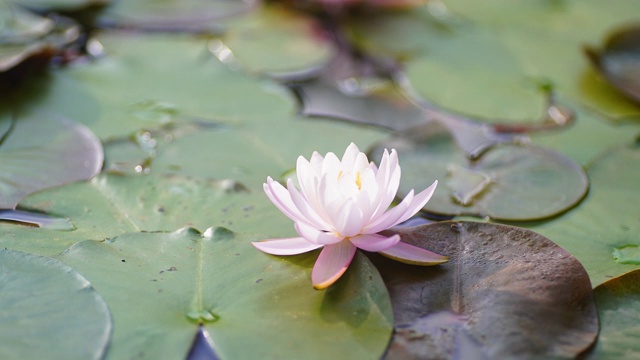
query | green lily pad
(43,151)
(61,5)
(273,40)
(602,231)
(217,279)
(506,183)
(171,14)
(506,292)
(619,61)
(618,307)
(49,311)
(18,26)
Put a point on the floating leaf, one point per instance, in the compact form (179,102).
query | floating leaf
(183,279)
(507,183)
(60,5)
(191,15)
(506,292)
(603,231)
(619,61)
(44,151)
(618,308)
(49,311)
(273,40)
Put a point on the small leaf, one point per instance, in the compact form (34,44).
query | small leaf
(44,151)
(49,311)
(506,292)
(242,291)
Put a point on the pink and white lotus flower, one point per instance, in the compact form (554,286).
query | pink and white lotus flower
(342,205)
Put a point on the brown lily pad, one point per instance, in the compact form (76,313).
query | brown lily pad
(619,61)
(506,292)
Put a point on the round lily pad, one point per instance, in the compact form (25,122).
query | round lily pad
(514,182)
(43,150)
(505,293)
(49,311)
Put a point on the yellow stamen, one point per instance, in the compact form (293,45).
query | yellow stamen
(359,180)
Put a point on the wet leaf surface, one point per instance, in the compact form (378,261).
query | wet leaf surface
(218,279)
(602,232)
(506,292)
(618,307)
(49,311)
(506,183)
(619,61)
(44,150)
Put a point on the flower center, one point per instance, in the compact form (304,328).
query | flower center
(358,179)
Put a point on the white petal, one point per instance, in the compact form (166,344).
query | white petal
(349,157)
(306,209)
(414,255)
(316,236)
(281,198)
(374,242)
(331,264)
(286,246)
(389,218)
(418,202)
(331,166)
(349,219)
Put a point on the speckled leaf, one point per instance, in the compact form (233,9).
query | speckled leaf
(618,303)
(44,150)
(49,311)
(603,231)
(253,305)
(507,183)
(506,292)
(619,61)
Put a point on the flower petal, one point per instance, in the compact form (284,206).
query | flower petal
(349,157)
(418,202)
(374,242)
(331,264)
(414,255)
(305,208)
(389,218)
(286,246)
(316,236)
(348,220)
(281,198)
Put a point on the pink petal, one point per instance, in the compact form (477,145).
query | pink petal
(374,242)
(414,255)
(286,246)
(316,236)
(331,264)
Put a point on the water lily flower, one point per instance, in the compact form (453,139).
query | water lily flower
(341,206)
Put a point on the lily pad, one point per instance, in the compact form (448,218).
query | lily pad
(618,307)
(217,279)
(273,40)
(49,311)
(506,292)
(171,14)
(619,61)
(60,5)
(603,231)
(506,183)
(42,151)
